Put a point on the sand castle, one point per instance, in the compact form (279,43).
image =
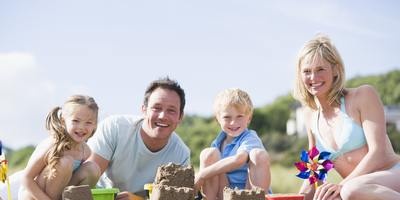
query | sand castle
(244,194)
(81,192)
(173,182)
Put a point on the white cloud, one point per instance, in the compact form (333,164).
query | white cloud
(25,99)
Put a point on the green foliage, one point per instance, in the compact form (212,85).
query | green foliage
(18,159)
(394,137)
(198,133)
(273,117)
(388,86)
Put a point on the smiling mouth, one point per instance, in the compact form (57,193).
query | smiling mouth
(234,129)
(316,85)
(80,134)
(162,125)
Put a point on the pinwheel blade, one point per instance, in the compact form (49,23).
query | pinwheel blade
(304,156)
(302,166)
(313,152)
(304,175)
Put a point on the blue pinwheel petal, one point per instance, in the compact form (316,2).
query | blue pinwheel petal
(304,175)
(304,156)
(324,155)
(322,175)
(313,152)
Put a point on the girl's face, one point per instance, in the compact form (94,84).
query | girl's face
(80,121)
(317,77)
(233,121)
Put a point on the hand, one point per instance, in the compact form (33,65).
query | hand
(328,191)
(128,196)
(198,182)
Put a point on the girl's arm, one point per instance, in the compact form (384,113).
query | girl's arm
(374,125)
(35,166)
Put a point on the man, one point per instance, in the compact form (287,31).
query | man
(129,150)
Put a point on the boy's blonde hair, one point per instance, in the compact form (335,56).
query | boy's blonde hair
(235,97)
(320,47)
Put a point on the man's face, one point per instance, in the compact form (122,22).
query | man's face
(162,114)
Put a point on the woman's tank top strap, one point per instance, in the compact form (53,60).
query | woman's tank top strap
(342,105)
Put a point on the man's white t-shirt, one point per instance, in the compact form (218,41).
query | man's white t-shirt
(131,164)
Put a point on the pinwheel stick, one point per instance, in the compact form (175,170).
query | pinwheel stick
(3,171)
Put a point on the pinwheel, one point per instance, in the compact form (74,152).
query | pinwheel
(314,165)
(3,171)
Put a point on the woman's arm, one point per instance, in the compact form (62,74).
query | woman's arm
(373,122)
(306,188)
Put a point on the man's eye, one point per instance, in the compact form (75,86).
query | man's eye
(172,111)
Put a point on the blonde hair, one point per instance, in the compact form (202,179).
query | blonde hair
(56,127)
(235,97)
(320,47)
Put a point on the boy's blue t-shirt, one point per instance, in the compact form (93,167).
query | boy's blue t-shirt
(246,141)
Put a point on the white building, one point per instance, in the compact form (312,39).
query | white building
(296,124)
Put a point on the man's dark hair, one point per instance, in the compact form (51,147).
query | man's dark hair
(165,83)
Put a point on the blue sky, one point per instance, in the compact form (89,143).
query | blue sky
(112,49)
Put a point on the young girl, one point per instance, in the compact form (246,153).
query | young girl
(59,160)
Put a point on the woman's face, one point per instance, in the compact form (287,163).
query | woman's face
(317,76)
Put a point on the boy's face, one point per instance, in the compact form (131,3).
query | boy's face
(233,121)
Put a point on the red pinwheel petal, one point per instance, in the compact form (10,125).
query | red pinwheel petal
(302,166)
(312,180)
(313,152)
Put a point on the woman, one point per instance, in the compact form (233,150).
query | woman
(347,122)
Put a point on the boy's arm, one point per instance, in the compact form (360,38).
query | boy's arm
(224,165)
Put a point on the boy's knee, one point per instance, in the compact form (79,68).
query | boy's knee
(210,154)
(258,156)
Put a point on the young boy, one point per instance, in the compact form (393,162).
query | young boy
(237,157)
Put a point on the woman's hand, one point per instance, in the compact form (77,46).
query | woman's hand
(328,191)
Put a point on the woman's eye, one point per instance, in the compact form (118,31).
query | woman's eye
(156,108)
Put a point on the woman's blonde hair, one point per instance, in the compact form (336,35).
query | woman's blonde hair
(320,47)
(235,97)
(56,126)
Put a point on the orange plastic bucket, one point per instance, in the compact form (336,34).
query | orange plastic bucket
(284,197)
